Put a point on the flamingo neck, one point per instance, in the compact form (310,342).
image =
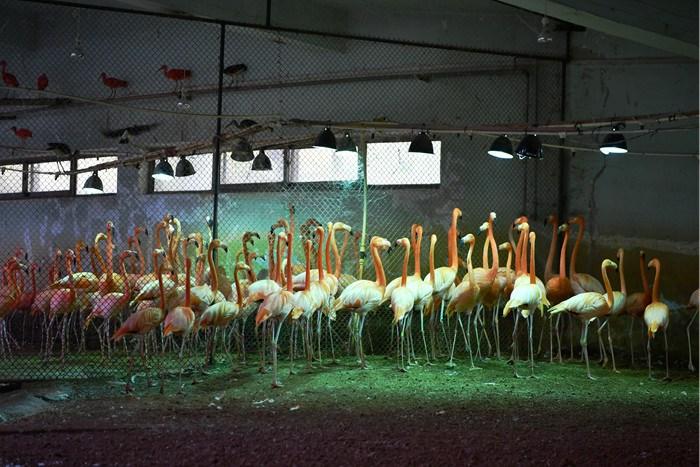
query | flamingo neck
(271,259)
(623,285)
(142,259)
(381,278)
(552,249)
(494,250)
(416,256)
(431,261)
(643,272)
(453,260)
(319,255)
(336,255)
(470,267)
(110,254)
(657,282)
(533,278)
(69,271)
(579,237)
(562,256)
(237,283)
(33,278)
(249,272)
(160,288)
(213,273)
(307,272)
(518,249)
(609,298)
(404,271)
(509,260)
(127,289)
(331,234)
(339,258)
(78,259)
(288,268)
(278,266)
(188,266)
(523,252)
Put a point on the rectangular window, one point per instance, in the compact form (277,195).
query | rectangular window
(240,173)
(322,165)
(48,182)
(390,164)
(200,181)
(11,178)
(108,176)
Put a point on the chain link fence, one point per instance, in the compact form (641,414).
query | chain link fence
(133,95)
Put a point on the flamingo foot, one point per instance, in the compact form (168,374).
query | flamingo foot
(472,368)
(592,378)
(276,384)
(450,364)
(666,378)
(691,367)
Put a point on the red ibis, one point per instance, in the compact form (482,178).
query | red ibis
(22,133)
(175,74)
(8,78)
(42,82)
(113,83)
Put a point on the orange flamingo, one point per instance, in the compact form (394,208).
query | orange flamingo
(180,320)
(587,306)
(619,298)
(559,289)
(423,290)
(581,282)
(636,303)
(27,297)
(486,280)
(364,296)
(143,321)
(277,305)
(62,304)
(656,316)
(305,302)
(527,298)
(402,298)
(464,298)
(504,280)
(692,305)
(10,295)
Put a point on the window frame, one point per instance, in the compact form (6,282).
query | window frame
(417,186)
(151,182)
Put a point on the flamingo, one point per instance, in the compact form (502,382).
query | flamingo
(423,290)
(656,316)
(402,299)
(62,303)
(553,220)
(463,300)
(619,298)
(528,298)
(277,305)
(109,282)
(10,295)
(9,79)
(504,280)
(692,305)
(180,320)
(151,290)
(443,278)
(143,321)
(153,277)
(581,282)
(113,83)
(305,302)
(27,297)
(588,306)
(364,296)
(324,288)
(558,289)
(111,305)
(486,280)
(636,303)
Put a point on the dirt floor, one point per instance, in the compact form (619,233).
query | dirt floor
(345,416)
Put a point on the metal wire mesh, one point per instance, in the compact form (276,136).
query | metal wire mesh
(286,76)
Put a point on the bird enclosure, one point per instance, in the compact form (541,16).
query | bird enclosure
(136,120)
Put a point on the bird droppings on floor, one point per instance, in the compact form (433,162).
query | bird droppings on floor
(344,415)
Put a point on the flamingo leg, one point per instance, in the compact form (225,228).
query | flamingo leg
(558,334)
(330,334)
(497,334)
(571,338)
(631,339)
(422,332)
(530,325)
(450,363)
(612,352)
(363,361)
(482,320)
(668,374)
(584,348)
(601,347)
(515,344)
(476,331)
(649,355)
(276,328)
(467,340)
(690,346)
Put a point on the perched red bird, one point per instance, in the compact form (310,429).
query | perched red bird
(8,78)
(113,83)
(22,133)
(175,74)
(42,82)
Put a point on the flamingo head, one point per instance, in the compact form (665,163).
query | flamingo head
(140,230)
(620,254)
(609,264)
(532,236)
(563,227)
(483,227)
(552,219)
(505,247)
(381,243)
(402,242)
(519,221)
(242,266)
(110,226)
(524,227)
(340,226)
(468,239)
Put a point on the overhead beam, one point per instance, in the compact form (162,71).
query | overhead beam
(607,26)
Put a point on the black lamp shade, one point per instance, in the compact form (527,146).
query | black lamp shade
(421,144)
(93,184)
(184,168)
(347,145)
(242,151)
(261,162)
(501,148)
(163,170)
(530,147)
(614,143)
(325,139)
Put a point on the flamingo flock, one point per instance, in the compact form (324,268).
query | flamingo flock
(189,301)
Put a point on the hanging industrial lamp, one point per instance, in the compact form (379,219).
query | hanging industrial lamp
(261,161)
(184,168)
(347,146)
(614,142)
(242,151)
(93,184)
(530,147)
(421,144)
(501,148)
(325,139)
(163,170)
